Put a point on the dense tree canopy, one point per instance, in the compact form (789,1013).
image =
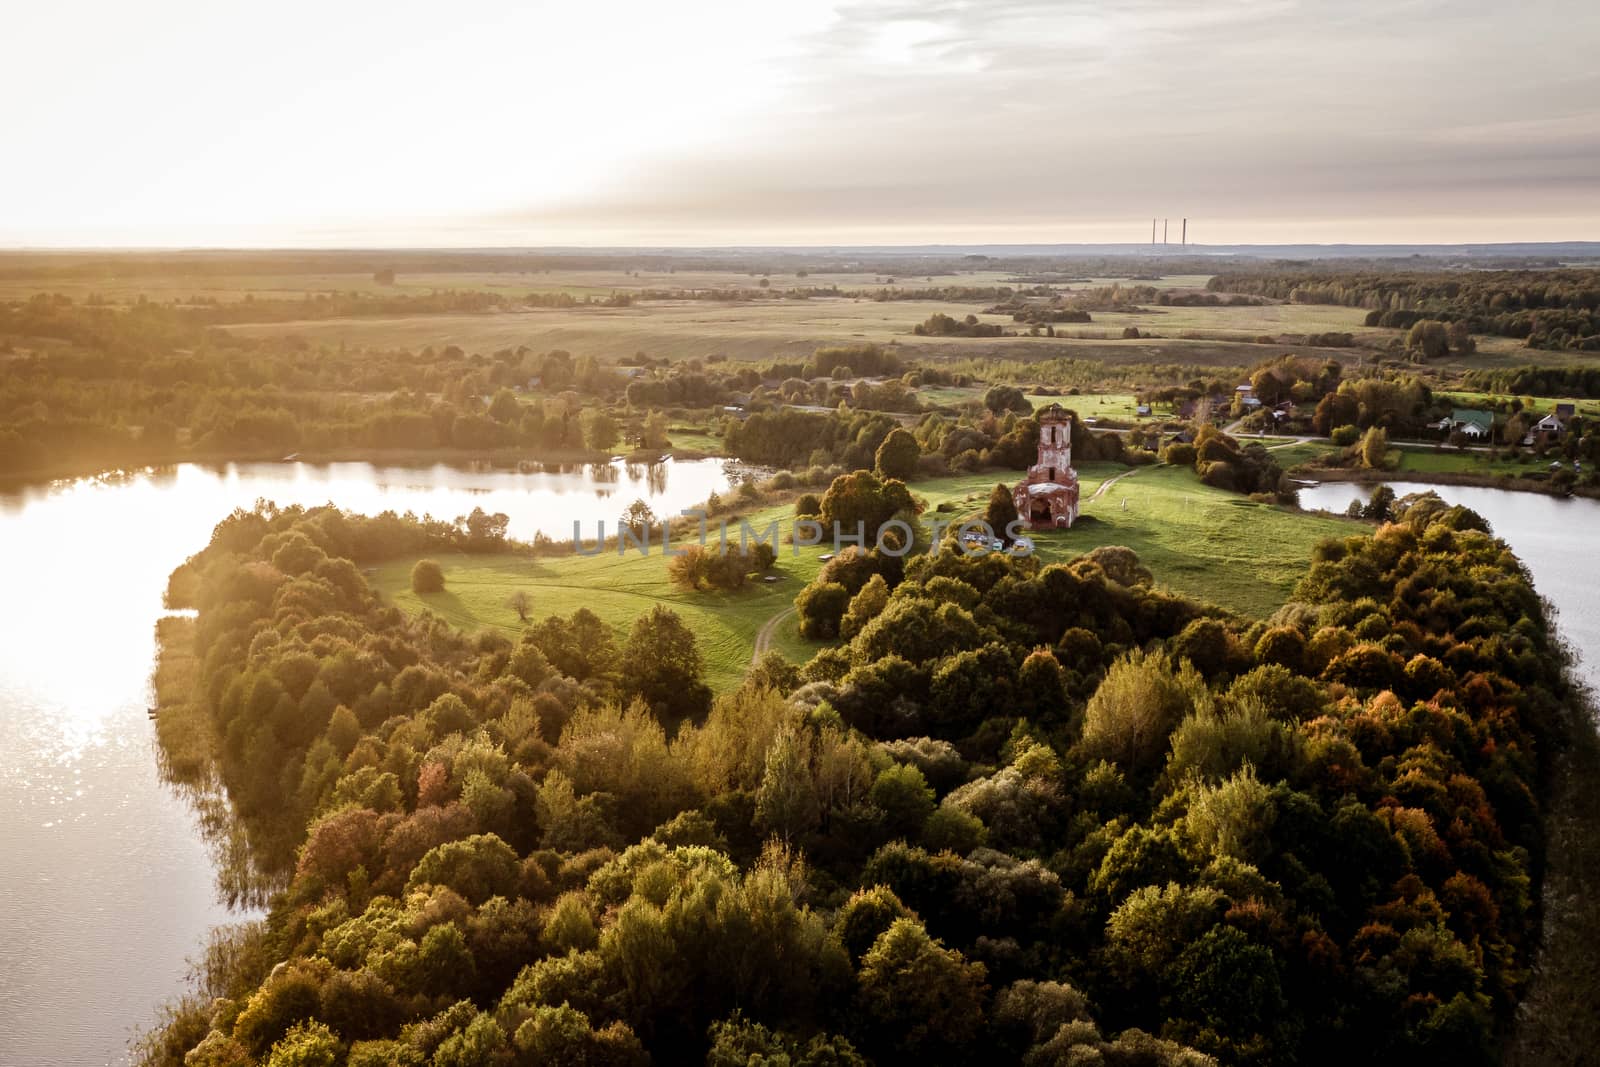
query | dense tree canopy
(1042,813)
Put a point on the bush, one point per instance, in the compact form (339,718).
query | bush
(427,577)
(1344,436)
(1178,454)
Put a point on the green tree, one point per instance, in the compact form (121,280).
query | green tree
(897,455)
(661,665)
(1001,511)
(905,797)
(504,406)
(600,431)
(579,646)
(821,606)
(477,867)
(638,519)
(307,1044)
(925,1002)
(654,433)
(1135,708)
(1346,435)
(1381,507)
(865,606)
(862,501)
(427,577)
(786,802)
(1428,340)
(1375,448)
(1003,398)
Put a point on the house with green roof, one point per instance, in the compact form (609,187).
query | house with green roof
(1470,422)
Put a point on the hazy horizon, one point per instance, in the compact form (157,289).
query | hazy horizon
(841,124)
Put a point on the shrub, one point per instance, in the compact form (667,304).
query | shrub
(427,577)
(1178,454)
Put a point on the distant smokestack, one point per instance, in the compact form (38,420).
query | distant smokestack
(1152,233)
(1186,233)
(1163,231)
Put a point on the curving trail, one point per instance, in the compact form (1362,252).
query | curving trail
(764,635)
(1108,483)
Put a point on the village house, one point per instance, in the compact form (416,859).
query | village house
(1474,424)
(1549,428)
(1048,498)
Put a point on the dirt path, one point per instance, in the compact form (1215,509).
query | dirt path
(764,635)
(1108,483)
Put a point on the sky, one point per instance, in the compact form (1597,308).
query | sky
(713,122)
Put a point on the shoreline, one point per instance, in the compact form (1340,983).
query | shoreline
(1467,478)
(509,458)
(1554,1022)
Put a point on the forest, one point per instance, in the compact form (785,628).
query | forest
(1045,814)
(1546,309)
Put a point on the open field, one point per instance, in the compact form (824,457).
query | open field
(1088,405)
(1198,541)
(580,283)
(1202,542)
(1300,452)
(1451,461)
(1539,405)
(692,439)
(619,589)
(754,330)
(111,284)
(767,330)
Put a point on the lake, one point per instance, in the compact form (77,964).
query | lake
(1553,536)
(106,886)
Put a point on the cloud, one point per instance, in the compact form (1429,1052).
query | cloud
(808,121)
(1010,112)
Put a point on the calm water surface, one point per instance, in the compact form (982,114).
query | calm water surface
(1557,538)
(106,886)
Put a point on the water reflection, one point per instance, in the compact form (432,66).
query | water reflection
(105,878)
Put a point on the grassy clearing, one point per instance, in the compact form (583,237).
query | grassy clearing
(1301,452)
(694,440)
(618,588)
(1539,405)
(1450,461)
(1201,542)
(1198,541)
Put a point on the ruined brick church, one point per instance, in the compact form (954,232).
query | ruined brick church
(1048,498)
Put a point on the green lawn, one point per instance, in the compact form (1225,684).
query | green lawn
(618,588)
(688,440)
(1202,542)
(1538,405)
(1301,452)
(1198,541)
(1450,461)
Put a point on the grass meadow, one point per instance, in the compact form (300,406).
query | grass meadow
(1201,542)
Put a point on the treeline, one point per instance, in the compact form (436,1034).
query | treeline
(1537,381)
(1043,814)
(1557,309)
(941,325)
(1005,439)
